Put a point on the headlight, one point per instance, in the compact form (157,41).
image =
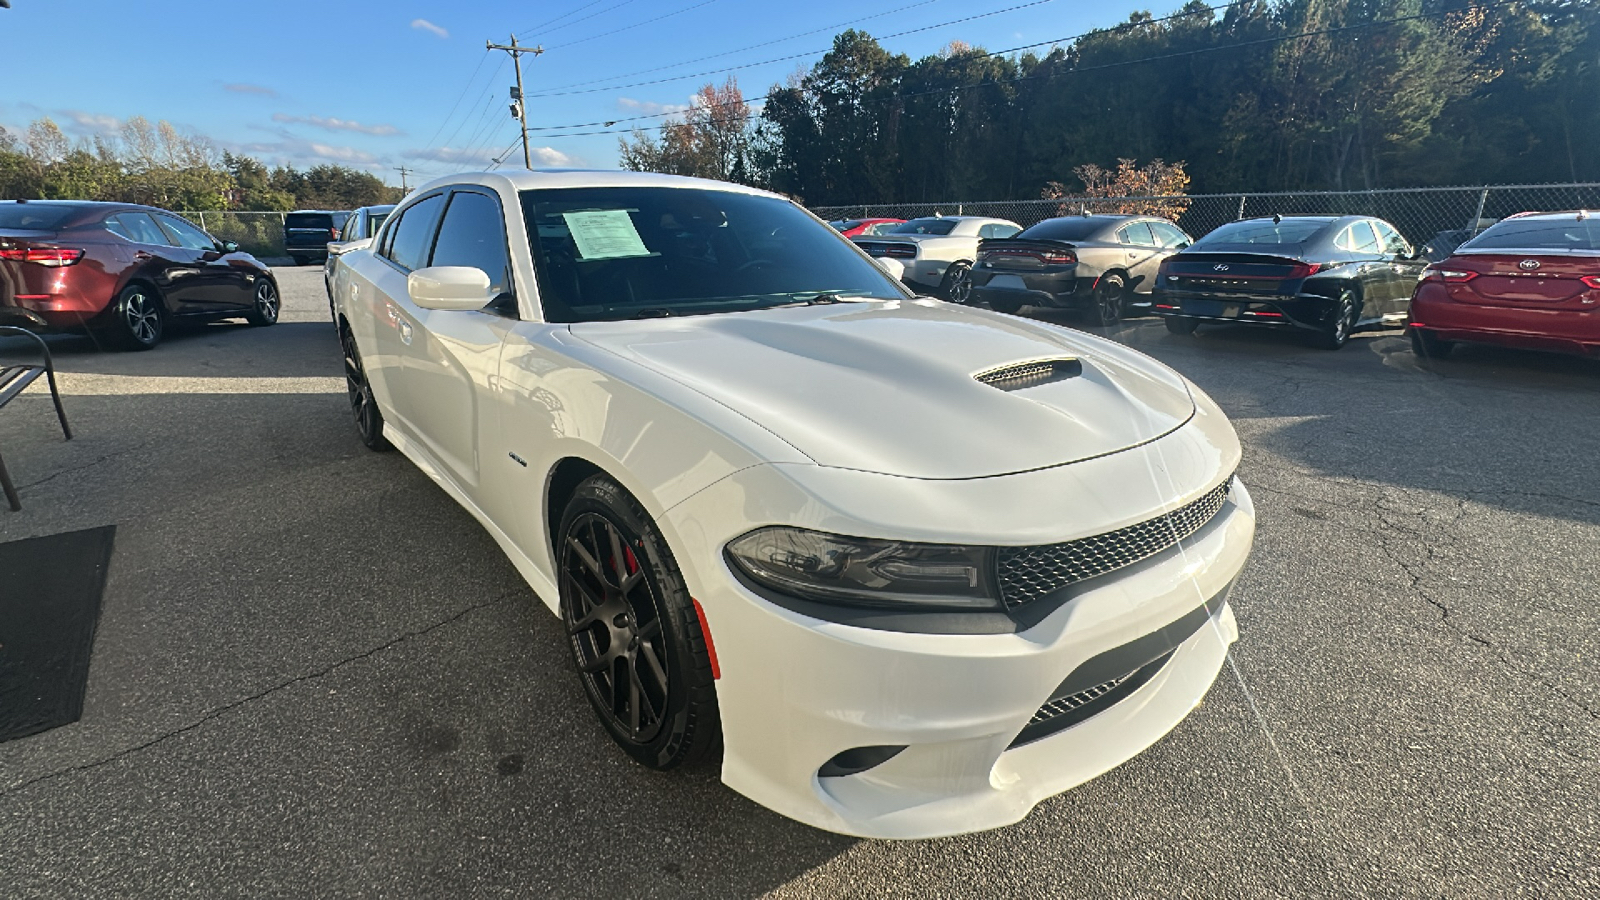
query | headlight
(864,572)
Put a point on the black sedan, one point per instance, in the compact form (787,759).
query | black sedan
(1324,275)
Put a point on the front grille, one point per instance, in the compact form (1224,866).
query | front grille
(1028,573)
(1076,701)
(1061,713)
(1032,374)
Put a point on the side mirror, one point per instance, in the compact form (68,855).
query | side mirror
(230,247)
(449,287)
(894,267)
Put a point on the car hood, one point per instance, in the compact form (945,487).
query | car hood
(890,387)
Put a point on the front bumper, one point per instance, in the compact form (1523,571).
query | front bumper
(798,691)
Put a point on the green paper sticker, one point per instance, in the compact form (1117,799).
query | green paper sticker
(604,234)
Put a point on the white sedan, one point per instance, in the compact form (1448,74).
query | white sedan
(937,252)
(910,567)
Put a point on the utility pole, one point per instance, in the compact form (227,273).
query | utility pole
(518,106)
(404,188)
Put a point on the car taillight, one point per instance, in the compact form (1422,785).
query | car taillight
(333,234)
(53,257)
(1304,270)
(1592,281)
(1450,276)
(900,251)
(1058,257)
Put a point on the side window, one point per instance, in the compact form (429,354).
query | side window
(1363,240)
(1002,230)
(1137,234)
(352,228)
(186,235)
(115,226)
(986,231)
(1168,235)
(1393,243)
(140,228)
(473,233)
(412,236)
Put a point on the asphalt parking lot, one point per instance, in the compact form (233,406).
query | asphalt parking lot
(316,675)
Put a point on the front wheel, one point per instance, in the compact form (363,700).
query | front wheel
(264,309)
(634,631)
(1109,293)
(1180,325)
(1341,321)
(958,283)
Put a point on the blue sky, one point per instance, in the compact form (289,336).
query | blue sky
(378,85)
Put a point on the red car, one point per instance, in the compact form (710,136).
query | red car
(121,271)
(853,227)
(1532,280)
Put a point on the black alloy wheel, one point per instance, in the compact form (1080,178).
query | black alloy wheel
(1340,323)
(1109,294)
(264,310)
(958,283)
(1429,346)
(634,631)
(138,321)
(369,419)
(1181,324)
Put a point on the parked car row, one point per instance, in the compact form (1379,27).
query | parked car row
(122,272)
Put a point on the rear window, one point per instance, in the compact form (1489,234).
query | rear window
(310,220)
(35,216)
(926,226)
(1259,232)
(846,225)
(1568,234)
(1066,228)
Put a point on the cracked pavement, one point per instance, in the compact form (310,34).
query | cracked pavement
(315,675)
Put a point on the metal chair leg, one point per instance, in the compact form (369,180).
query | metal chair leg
(55,395)
(9,488)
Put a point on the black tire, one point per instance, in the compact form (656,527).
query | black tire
(265,304)
(363,405)
(138,318)
(957,286)
(1006,305)
(1429,346)
(1110,296)
(1180,324)
(1339,323)
(629,616)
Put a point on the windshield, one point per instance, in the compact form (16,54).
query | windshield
(925,226)
(1567,234)
(1067,228)
(1262,231)
(628,252)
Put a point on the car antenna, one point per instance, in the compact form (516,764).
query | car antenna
(1277,219)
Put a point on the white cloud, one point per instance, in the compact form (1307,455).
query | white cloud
(425,25)
(545,157)
(329,123)
(256,89)
(628,104)
(297,151)
(91,123)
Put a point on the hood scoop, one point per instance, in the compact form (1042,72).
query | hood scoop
(1017,376)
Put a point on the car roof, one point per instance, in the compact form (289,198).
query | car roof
(531,179)
(1559,214)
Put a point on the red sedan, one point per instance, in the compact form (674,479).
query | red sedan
(854,227)
(123,272)
(1532,280)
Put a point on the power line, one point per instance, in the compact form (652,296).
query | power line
(688,62)
(809,53)
(602,34)
(576,21)
(456,105)
(518,108)
(1112,65)
(560,17)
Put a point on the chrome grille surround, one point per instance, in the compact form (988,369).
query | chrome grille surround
(1029,573)
(1030,374)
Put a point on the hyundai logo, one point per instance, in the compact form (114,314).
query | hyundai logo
(1528,265)
(1220,267)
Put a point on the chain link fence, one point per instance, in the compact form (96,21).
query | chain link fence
(1431,218)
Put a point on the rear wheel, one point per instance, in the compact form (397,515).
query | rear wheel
(264,309)
(958,283)
(1180,325)
(1341,321)
(1109,294)
(138,321)
(1429,346)
(369,419)
(634,631)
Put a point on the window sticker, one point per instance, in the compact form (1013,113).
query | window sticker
(604,234)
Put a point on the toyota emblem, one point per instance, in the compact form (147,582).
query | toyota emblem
(1528,265)
(1223,267)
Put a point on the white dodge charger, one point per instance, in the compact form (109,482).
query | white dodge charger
(909,567)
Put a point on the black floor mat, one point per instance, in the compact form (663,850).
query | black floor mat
(50,589)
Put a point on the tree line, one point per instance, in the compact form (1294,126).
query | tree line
(1258,95)
(157,165)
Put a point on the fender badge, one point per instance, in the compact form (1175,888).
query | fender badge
(519,460)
